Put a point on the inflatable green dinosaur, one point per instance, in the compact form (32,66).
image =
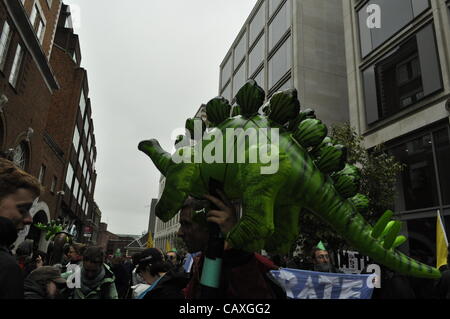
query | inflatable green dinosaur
(310,173)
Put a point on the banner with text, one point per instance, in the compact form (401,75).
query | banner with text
(304,284)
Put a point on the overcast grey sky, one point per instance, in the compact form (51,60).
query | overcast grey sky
(150,64)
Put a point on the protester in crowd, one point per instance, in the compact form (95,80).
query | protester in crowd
(137,284)
(11,277)
(173,257)
(244,275)
(38,259)
(44,283)
(75,254)
(122,278)
(321,261)
(97,280)
(18,190)
(24,253)
(165,283)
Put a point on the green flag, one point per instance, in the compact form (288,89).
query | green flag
(321,246)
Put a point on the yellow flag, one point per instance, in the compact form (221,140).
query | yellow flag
(150,241)
(168,248)
(441,242)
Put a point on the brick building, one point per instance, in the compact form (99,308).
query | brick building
(40,87)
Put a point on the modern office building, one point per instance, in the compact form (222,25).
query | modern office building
(399,90)
(41,82)
(292,43)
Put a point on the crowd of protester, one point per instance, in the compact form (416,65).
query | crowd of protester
(77,271)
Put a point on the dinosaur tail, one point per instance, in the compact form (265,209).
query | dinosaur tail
(377,242)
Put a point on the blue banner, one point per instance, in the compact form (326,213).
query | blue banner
(304,284)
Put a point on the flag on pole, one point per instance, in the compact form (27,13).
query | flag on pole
(168,247)
(150,240)
(441,242)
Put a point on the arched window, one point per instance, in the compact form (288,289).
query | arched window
(20,155)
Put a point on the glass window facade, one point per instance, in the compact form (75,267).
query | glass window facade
(226,72)
(241,48)
(256,56)
(226,93)
(260,78)
(280,63)
(273,5)
(405,76)
(257,23)
(425,180)
(280,25)
(239,79)
(395,15)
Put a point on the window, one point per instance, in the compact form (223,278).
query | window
(33,15)
(69,175)
(4,43)
(42,174)
(40,30)
(426,157)
(280,24)
(37,22)
(81,156)
(226,72)
(273,5)
(80,196)
(76,188)
(82,103)
(226,93)
(53,187)
(418,187)
(241,48)
(76,138)
(256,56)
(89,143)
(86,127)
(442,147)
(407,75)
(260,78)
(20,156)
(257,23)
(280,63)
(239,79)
(395,15)
(85,170)
(16,66)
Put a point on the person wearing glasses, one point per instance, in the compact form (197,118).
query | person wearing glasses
(18,191)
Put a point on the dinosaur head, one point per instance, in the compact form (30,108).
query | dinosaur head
(179,183)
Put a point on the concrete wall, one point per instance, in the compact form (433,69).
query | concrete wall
(319,69)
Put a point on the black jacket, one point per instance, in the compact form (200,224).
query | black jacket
(11,277)
(33,290)
(443,286)
(169,287)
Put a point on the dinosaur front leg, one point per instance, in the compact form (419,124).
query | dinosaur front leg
(260,192)
(286,229)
